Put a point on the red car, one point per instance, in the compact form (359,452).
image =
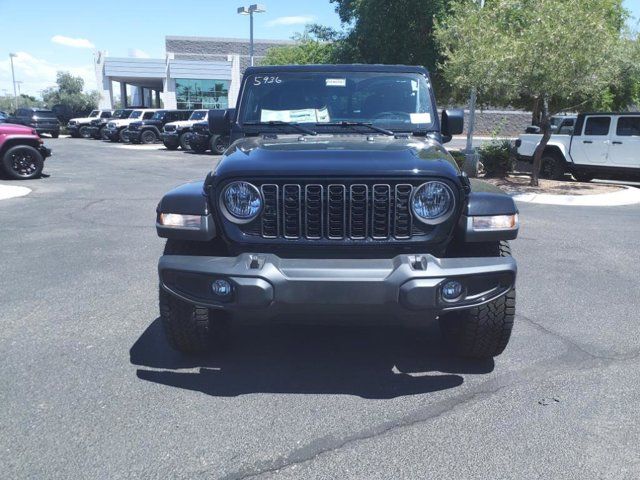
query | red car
(22,152)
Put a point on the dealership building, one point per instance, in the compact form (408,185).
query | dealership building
(197,72)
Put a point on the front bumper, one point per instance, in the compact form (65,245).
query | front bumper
(266,287)
(111,134)
(44,151)
(199,141)
(171,139)
(132,136)
(74,130)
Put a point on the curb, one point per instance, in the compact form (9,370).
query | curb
(11,191)
(628,196)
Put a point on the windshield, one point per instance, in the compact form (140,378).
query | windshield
(158,116)
(397,101)
(44,114)
(94,113)
(198,115)
(121,114)
(136,114)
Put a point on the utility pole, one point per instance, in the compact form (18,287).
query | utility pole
(471,163)
(13,76)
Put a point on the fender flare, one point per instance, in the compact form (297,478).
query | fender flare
(187,199)
(486,204)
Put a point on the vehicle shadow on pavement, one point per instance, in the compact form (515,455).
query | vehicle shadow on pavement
(370,362)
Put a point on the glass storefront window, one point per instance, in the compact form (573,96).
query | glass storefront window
(194,94)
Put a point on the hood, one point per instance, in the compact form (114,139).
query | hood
(336,155)
(82,119)
(183,123)
(123,121)
(13,129)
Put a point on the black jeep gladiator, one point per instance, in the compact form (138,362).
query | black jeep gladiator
(337,203)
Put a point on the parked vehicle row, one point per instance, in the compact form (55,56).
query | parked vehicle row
(603,145)
(185,129)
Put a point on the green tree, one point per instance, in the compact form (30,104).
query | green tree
(541,54)
(315,46)
(383,31)
(69,92)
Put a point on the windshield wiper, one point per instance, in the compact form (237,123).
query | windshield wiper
(280,123)
(357,124)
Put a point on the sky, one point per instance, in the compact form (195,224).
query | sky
(57,35)
(49,36)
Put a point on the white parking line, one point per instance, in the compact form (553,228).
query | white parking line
(12,191)
(628,196)
(142,147)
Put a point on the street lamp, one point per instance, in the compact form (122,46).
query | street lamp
(250,10)
(13,76)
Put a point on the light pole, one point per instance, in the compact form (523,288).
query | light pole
(250,10)
(18,82)
(13,76)
(471,162)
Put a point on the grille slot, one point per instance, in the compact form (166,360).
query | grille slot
(336,211)
(270,211)
(313,211)
(358,209)
(381,212)
(403,220)
(291,211)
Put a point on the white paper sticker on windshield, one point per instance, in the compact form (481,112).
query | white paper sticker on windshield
(304,115)
(336,82)
(420,117)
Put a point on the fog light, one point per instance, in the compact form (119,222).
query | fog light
(222,288)
(451,291)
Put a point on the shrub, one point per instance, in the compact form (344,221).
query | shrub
(497,158)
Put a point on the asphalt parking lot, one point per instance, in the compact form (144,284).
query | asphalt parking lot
(90,389)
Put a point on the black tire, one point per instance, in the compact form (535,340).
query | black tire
(482,332)
(85,132)
(582,177)
(148,137)
(22,162)
(170,146)
(55,134)
(219,144)
(552,167)
(184,141)
(122,136)
(74,134)
(189,329)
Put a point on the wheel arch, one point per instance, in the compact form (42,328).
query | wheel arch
(19,140)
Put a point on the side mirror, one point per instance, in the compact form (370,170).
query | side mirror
(220,121)
(532,129)
(452,123)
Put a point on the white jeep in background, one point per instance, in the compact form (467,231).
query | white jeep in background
(602,145)
(176,134)
(80,126)
(114,130)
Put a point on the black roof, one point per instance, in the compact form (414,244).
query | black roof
(355,67)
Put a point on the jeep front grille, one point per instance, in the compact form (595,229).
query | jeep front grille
(336,211)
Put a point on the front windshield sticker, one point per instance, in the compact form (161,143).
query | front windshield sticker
(336,82)
(420,117)
(305,115)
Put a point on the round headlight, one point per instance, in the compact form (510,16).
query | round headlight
(432,202)
(241,202)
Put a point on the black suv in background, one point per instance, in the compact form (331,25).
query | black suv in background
(97,125)
(40,119)
(202,139)
(150,131)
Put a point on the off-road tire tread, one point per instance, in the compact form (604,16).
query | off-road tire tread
(483,332)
